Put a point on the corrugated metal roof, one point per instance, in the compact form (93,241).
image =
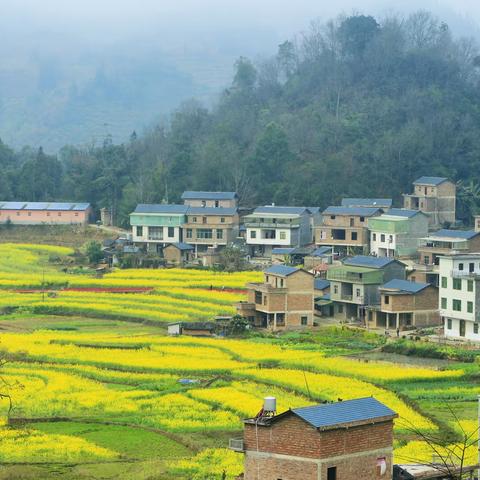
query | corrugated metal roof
(282,251)
(463,234)
(161,208)
(194,195)
(368,261)
(322,251)
(367,202)
(430,180)
(271,209)
(282,270)
(402,212)
(405,286)
(63,206)
(211,211)
(341,413)
(321,284)
(355,211)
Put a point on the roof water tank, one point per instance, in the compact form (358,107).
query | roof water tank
(270,404)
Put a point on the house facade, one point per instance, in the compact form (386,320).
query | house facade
(405,304)
(397,233)
(45,213)
(459,296)
(355,284)
(272,227)
(284,300)
(210,199)
(178,253)
(346,228)
(434,196)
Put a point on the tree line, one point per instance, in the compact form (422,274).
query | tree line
(356,106)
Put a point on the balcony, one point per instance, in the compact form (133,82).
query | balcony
(464,274)
(259,224)
(266,288)
(355,277)
(347,298)
(236,444)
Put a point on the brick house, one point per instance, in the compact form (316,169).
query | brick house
(405,304)
(210,199)
(434,196)
(346,228)
(284,300)
(348,440)
(355,284)
(178,253)
(45,213)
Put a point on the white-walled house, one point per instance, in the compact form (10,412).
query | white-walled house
(459,295)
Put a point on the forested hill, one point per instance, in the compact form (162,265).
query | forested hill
(354,107)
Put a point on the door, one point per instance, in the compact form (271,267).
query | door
(462,328)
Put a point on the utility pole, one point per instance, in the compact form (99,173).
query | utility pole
(43,284)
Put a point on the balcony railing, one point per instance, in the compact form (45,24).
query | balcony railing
(347,297)
(236,444)
(355,277)
(254,224)
(464,274)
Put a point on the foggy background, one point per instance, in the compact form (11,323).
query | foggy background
(72,72)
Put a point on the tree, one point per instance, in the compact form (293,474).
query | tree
(232,259)
(94,253)
(356,33)
(287,58)
(245,74)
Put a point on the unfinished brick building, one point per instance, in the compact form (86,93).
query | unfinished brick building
(348,440)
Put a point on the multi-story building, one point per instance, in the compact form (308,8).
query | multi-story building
(157,225)
(210,199)
(355,284)
(434,196)
(459,295)
(397,233)
(347,440)
(272,227)
(405,304)
(284,300)
(346,228)
(383,203)
(45,213)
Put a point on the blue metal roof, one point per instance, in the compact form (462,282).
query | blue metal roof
(367,202)
(50,206)
(161,208)
(350,411)
(282,270)
(211,211)
(282,251)
(271,209)
(321,284)
(194,195)
(430,180)
(368,261)
(405,286)
(322,251)
(464,234)
(356,211)
(182,246)
(403,212)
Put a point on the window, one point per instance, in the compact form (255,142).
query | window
(155,233)
(475,328)
(362,219)
(194,219)
(258,298)
(171,232)
(332,473)
(219,234)
(470,307)
(48,214)
(460,266)
(354,235)
(189,233)
(413,279)
(471,267)
(444,282)
(29,214)
(217,203)
(265,300)
(470,285)
(59,214)
(139,231)
(304,320)
(253,234)
(204,219)
(222,219)
(204,203)
(374,236)
(449,323)
(204,233)
(382,237)
(426,260)
(76,214)
(335,289)
(443,303)
(390,238)
(332,217)
(283,235)
(281,283)
(457,305)
(457,283)
(387,299)
(357,292)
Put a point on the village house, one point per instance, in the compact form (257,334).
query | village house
(434,196)
(459,295)
(383,203)
(345,440)
(272,227)
(346,228)
(45,213)
(355,284)
(284,300)
(210,199)
(405,304)
(323,302)
(397,233)
(178,253)
(155,225)
(319,259)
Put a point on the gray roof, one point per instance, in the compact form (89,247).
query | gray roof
(330,415)
(161,208)
(181,246)
(369,261)
(282,270)
(405,286)
(403,212)
(356,211)
(321,284)
(211,211)
(51,206)
(430,181)
(463,234)
(282,251)
(314,210)
(367,202)
(322,251)
(271,209)
(194,195)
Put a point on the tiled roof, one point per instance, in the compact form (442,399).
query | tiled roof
(430,181)
(161,208)
(402,212)
(356,211)
(367,202)
(350,411)
(368,261)
(193,195)
(321,284)
(211,211)
(52,206)
(405,286)
(464,234)
(271,209)
(282,270)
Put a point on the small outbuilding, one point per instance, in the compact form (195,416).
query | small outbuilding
(194,329)
(178,253)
